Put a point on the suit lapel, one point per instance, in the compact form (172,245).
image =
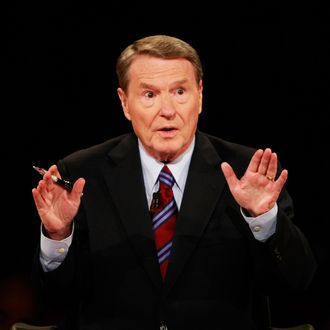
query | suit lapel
(125,182)
(204,185)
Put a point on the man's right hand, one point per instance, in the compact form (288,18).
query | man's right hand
(56,206)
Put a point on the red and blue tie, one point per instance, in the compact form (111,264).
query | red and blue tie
(164,213)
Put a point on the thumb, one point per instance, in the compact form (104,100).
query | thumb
(78,187)
(229,174)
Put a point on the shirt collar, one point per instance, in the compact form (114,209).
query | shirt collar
(151,167)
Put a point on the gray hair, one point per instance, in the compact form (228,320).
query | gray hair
(161,46)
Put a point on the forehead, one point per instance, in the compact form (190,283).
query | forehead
(148,67)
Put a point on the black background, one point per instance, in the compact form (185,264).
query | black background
(266,84)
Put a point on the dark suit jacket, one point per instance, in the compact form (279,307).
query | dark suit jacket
(110,278)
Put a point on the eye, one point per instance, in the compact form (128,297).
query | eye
(149,94)
(180,91)
(148,98)
(181,95)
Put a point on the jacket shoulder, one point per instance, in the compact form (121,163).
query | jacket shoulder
(229,150)
(88,159)
(96,151)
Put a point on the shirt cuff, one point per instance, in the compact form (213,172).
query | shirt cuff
(264,225)
(53,252)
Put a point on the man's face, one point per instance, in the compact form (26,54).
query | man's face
(163,102)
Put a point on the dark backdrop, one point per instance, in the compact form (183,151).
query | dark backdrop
(266,84)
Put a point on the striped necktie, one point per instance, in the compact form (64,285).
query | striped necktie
(164,213)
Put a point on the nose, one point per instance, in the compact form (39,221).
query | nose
(167,106)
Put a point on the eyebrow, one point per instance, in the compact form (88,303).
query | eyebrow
(178,82)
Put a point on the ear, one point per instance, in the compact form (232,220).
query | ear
(123,100)
(200,96)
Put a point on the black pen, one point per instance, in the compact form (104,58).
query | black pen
(63,183)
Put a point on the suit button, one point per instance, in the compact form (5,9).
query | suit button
(277,254)
(163,327)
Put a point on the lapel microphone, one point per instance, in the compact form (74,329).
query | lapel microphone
(155,203)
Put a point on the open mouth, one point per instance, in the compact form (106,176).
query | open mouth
(168,131)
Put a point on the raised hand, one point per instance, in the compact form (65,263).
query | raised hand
(55,205)
(257,190)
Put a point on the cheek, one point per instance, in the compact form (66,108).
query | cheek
(143,120)
(190,117)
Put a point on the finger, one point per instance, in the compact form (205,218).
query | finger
(279,183)
(43,186)
(54,171)
(264,162)
(47,184)
(272,167)
(255,161)
(53,174)
(38,200)
(229,174)
(77,189)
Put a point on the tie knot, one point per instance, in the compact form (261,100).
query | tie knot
(166,176)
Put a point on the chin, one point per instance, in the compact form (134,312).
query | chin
(168,154)
(166,149)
